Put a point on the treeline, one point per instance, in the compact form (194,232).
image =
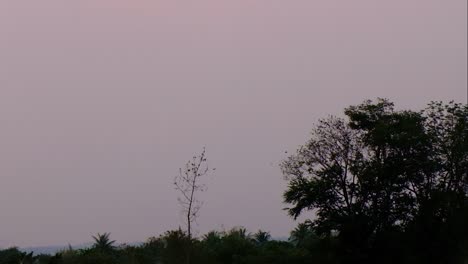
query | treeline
(234,246)
(385,187)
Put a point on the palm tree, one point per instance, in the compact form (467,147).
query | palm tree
(261,237)
(213,236)
(301,235)
(240,232)
(102,242)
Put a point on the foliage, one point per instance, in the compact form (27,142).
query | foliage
(261,237)
(11,256)
(103,243)
(383,176)
(234,246)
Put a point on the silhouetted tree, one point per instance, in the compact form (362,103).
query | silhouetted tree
(11,256)
(261,237)
(382,173)
(103,243)
(302,236)
(175,244)
(188,184)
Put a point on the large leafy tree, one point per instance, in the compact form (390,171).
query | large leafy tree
(380,172)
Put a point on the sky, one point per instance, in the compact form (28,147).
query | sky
(102,101)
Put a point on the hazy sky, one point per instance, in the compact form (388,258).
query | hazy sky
(101,101)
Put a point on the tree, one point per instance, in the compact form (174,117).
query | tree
(442,203)
(175,242)
(11,256)
(188,184)
(103,243)
(381,173)
(262,237)
(302,235)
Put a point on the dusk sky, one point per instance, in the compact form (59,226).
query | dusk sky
(101,102)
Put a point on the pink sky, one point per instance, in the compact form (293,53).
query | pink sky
(103,100)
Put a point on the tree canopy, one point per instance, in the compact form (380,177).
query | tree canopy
(379,173)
